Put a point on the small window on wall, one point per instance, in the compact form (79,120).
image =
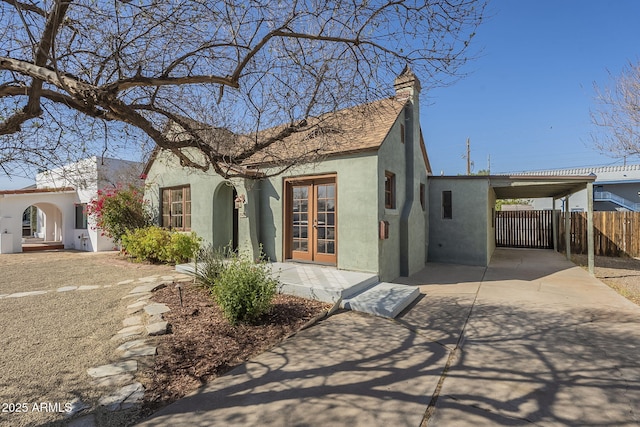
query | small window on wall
(176,208)
(402,134)
(423,196)
(81,216)
(447,206)
(389,190)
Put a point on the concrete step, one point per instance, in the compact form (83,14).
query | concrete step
(321,283)
(384,299)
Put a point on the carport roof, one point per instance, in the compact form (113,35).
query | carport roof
(531,186)
(536,186)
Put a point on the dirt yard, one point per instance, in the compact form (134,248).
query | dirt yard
(621,274)
(49,340)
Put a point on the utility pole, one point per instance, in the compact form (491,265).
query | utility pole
(468,156)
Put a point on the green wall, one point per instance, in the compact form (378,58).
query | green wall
(462,239)
(357,220)
(409,250)
(360,206)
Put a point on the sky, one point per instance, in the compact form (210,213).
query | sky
(526,98)
(526,101)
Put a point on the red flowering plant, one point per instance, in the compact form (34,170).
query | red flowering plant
(119,209)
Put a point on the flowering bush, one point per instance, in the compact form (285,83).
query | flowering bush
(119,209)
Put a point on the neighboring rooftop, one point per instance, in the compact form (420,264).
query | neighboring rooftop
(604,174)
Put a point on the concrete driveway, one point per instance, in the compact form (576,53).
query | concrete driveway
(531,339)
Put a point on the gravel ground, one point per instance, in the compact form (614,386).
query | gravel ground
(49,341)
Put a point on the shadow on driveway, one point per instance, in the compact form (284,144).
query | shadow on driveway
(530,339)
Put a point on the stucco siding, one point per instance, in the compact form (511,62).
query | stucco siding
(463,238)
(405,251)
(167,172)
(357,232)
(261,220)
(391,158)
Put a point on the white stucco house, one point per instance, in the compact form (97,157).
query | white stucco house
(60,197)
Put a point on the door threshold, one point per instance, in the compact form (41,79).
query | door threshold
(319,264)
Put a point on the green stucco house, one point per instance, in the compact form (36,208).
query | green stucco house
(363,207)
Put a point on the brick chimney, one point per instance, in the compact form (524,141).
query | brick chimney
(407,85)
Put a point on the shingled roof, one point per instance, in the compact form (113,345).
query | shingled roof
(360,128)
(351,130)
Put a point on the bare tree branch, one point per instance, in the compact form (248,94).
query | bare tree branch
(67,68)
(618,114)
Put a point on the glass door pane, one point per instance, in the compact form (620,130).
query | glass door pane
(300,219)
(325,219)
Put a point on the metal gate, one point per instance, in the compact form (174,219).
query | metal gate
(524,229)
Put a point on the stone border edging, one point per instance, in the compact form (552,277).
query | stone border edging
(144,320)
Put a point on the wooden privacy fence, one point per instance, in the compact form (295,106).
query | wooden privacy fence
(615,233)
(524,229)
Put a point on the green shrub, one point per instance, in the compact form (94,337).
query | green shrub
(182,247)
(210,261)
(244,290)
(158,245)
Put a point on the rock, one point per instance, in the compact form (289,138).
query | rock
(125,282)
(156,308)
(66,289)
(113,369)
(135,307)
(148,279)
(155,318)
(128,332)
(25,294)
(87,287)
(132,321)
(113,381)
(131,344)
(140,351)
(132,330)
(136,295)
(158,328)
(77,405)
(149,287)
(128,395)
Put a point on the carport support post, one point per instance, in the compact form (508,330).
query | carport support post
(567,227)
(554,225)
(590,239)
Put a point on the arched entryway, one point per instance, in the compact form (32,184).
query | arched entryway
(225,217)
(45,227)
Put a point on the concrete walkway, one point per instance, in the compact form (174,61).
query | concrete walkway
(531,339)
